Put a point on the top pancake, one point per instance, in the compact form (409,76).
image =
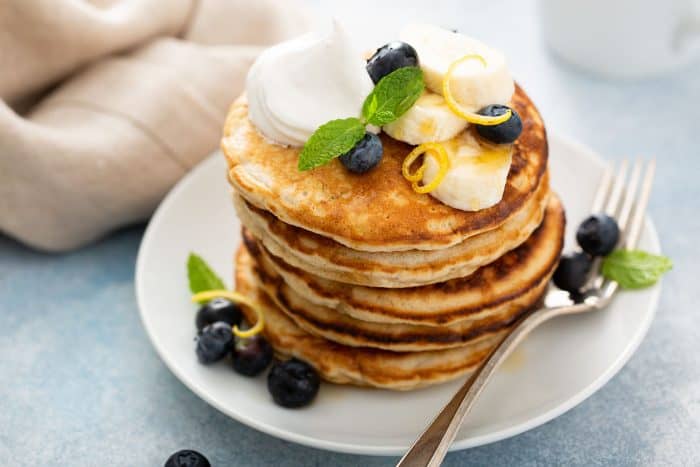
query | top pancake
(376,211)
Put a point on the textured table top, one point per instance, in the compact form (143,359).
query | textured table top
(82,386)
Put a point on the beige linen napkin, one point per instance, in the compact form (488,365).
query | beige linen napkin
(107,103)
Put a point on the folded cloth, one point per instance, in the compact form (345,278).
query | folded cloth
(107,103)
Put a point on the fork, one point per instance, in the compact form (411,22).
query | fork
(618,198)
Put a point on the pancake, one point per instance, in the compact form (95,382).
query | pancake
(341,328)
(376,211)
(490,291)
(329,259)
(352,365)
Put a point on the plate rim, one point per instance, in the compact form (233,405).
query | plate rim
(354,448)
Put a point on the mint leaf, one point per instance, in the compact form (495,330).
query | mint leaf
(369,106)
(329,141)
(385,116)
(201,276)
(393,95)
(635,269)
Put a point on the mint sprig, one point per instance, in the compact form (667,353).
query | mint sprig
(635,269)
(330,140)
(201,276)
(393,95)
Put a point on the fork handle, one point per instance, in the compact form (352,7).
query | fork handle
(431,447)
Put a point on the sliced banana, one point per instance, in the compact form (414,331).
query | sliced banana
(477,176)
(474,84)
(427,121)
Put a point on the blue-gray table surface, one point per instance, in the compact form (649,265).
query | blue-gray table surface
(80,384)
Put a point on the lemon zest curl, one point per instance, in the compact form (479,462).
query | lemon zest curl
(237,298)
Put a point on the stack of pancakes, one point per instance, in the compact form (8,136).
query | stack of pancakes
(374,284)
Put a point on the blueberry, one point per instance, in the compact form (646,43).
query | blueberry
(505,132)
(214,342)
(218,309)
(364,155)
(251,355)
(598,235)
(293,383)
(187,458)
(390,57)
(572,272)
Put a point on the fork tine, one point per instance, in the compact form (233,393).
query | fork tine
(615,194)
(606,192)
(629,195)
(603,189)
(635,227)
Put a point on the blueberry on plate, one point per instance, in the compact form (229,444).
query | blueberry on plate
(218,309)
(365,155)
(503,133)
(390,57)
(293,383)
(187,458)
(251,355)
(572,272)
(214,342)
(598,235)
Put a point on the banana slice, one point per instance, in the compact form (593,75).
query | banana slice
(477,175)
(427,121)
(474,84)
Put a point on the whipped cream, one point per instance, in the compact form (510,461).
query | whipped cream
(298,85)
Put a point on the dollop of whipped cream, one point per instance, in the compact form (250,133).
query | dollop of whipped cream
(298,85)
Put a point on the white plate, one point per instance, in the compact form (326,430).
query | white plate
(556,368)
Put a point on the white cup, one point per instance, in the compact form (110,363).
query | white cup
(623,38)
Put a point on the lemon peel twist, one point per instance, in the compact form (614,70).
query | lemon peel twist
(438,151)
(238,298)
(454,106)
